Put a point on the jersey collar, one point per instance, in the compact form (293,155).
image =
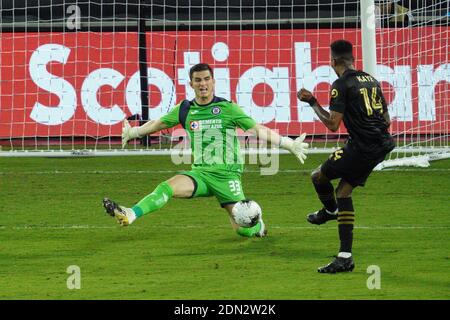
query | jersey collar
(348,71)
(214,100)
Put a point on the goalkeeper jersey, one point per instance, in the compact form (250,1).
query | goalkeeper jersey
(212,132)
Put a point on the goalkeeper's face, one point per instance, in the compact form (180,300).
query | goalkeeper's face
(203,84)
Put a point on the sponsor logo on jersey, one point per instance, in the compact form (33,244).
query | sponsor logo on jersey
(216,110)
(195,111)
(194,125)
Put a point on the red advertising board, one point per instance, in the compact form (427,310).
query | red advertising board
(85,83)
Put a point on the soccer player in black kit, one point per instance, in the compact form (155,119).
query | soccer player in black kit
(355,98)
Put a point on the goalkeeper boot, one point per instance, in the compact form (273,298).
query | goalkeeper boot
(124,216)
(338,265)
(321,216)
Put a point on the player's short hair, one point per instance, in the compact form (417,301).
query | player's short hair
(342,52)
(200,67)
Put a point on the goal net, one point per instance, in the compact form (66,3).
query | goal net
(71,71)
(412,46)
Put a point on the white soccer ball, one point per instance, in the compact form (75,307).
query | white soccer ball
(246,213)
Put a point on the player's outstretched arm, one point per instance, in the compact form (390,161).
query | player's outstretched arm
(297,147)
(129,132)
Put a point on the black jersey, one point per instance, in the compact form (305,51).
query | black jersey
(358,96)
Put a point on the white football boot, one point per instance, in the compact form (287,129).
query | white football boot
(124,216)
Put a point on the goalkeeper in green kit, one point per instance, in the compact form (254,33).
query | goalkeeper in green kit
(211,123)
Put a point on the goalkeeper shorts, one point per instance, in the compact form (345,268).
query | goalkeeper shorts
(226,187)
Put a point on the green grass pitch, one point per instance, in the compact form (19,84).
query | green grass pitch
(52,218)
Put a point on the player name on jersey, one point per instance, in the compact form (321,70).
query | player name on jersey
(365,78)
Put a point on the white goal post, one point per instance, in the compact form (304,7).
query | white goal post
(70,72)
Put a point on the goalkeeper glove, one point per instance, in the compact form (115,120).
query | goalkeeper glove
(129,133)
(297,146)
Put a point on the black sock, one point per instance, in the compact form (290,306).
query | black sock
(325,192)
(346,219)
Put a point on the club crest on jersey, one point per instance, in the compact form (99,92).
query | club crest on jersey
(194,125)
(334,93)
(216,110)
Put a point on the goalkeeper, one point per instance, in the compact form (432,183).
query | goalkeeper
(208,120)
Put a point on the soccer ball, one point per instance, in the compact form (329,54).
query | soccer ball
(246,213)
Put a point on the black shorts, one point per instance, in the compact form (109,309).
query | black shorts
(350,165)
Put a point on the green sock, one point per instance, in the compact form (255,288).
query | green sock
(249,232)
(155,200)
